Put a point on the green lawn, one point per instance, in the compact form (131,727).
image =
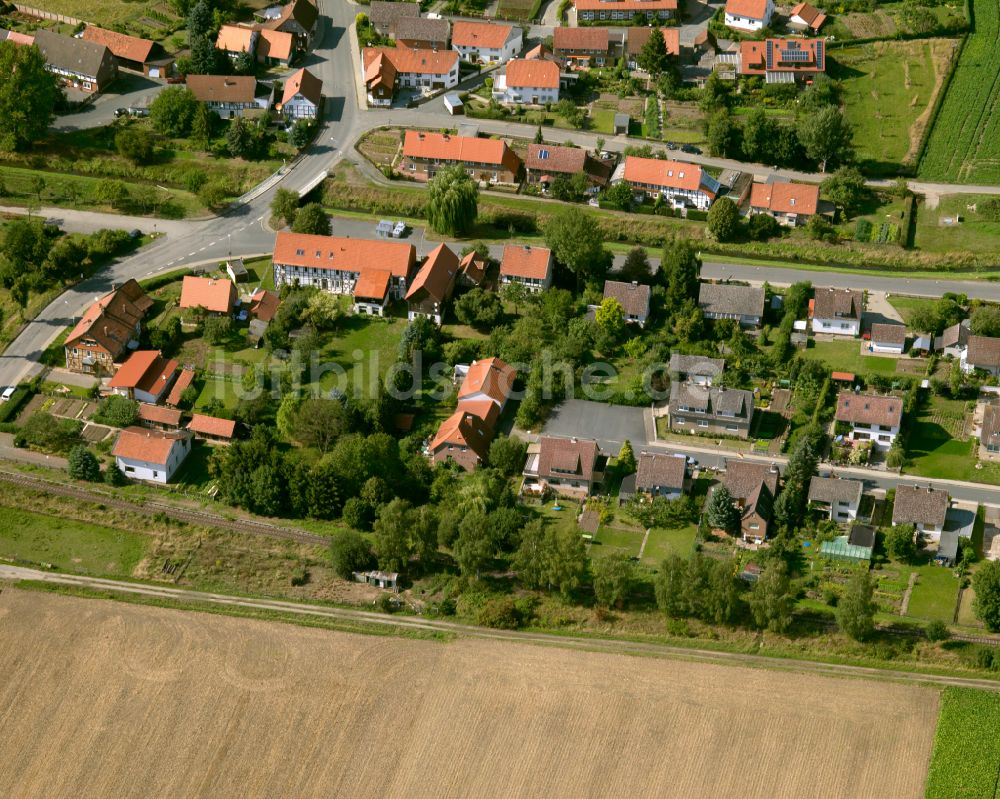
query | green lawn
(615,541)
(908,305)
(366,349)
(971,229)
(845,356)
(217,388)
(663,543)
(67,544)
(966,757)
(935,447)
(934,594)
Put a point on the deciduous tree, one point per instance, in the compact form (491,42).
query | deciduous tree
(392,535)
(771,599)
(578,244)
(83,465)
(986,583)
(173,111)
(350,552)
(135,144)
(827,137)
(311,218)
(724,219)
(28,95)
(856,609)
(613,580)
(452,202)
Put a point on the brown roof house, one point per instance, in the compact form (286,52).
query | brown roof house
(158,417)
(131,52)
(567,466)
(107,329)
(152,455)
(888,338)
(486,160)
(637,38)
(661,475)
(633,297)
(145,377)
(545,162)
(838,497)
(433,285)
(983,353)
(753,487)
(421,33)
(924,508)
(528,265)
(299,18)
(804,17)
(681,184)
(472,269)
(231,95)
(872,417)
(463,438)
(301,96)
(581,48)
(790,204)
(83,65)
(730,301)
(384,15)
(837,311)
(710,410)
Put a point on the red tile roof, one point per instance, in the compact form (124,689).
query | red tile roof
(211,426)
(436,276)
(130,48)
(275,44)
(635,6)
(264,304)
(305,83)
(813,17)
(785,198)
(461,149)
(372,285)
(184,379)
(668,174)
(485,409)
(486,35)
(112,319)
(223,88)
(754,56)
(473,267)
(142,444)
(526,261)
(464,429)
(349,255)
(159,415)
(588,39)
(234,39)
(143,370)
(414,62)
(751,9)
(535,73)
(637,37)
(490,376)
(566,457)
(213,294)
(869,409)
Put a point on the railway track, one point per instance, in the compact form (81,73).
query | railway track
(151,507)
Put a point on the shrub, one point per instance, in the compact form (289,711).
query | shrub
(499,613)
(937,631)
(350,552)
(83,465)
(117,411)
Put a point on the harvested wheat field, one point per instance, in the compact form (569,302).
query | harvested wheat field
(103,699)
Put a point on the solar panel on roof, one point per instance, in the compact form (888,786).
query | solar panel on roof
(795,56)
(770,56)
(819,52)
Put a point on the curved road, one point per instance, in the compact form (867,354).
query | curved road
(613,646)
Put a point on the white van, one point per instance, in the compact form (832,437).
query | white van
(8,393)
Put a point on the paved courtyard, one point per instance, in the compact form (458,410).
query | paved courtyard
(610,425)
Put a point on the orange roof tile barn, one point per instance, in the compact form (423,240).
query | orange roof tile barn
(213,294)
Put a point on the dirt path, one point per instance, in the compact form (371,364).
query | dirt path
(905,603)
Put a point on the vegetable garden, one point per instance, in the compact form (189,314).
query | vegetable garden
(964,144)
(966,747)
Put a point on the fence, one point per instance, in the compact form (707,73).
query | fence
(37,13)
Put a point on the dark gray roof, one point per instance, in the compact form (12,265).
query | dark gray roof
(385,13)
(862,535)
(431,30)
(984,351)
(991,426)
(696,365)
(888,334)
(722,298)
(742,477)
(731,403)
(956,335)
(838,303)
(834,489)
(70,54)
(919,505)
(634,297)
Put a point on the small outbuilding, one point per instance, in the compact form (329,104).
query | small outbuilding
(622,122)
(454,104)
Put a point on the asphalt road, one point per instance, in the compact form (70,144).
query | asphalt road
(130,90)
(612,646)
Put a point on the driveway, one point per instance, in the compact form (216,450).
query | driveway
(610,425)
(878,310)
(128,90)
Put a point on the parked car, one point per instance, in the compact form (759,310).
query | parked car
(671,145)
(7,393)
(121,112)
(690,148)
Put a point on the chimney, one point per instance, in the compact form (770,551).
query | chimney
(573,439)
(635,283)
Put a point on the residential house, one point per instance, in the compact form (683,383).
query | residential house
(486,160)
(145,377)
(581,48)
(924,508)
(624,10)
(675,182)
(276,48)
(131,52)
(837,311)
(486,42)
(710,410)
(107,329)
(384,15)
(433,285)
(568,466)
(633,297)
(695,369)
(888,338)
(302,96)
(839,498)
(80,64)
(730,301)
(183,382)
(989,434)
(490,380)
(522,81)
(230,95)
(299,18)
(749,15)
(545,162)
(389,68)
(371,292)
(211,428)
(472,270)
(421,33)
(783,60)
(336,264)
(790,204)
(212,295)
(753,487)
(661,475)
(804,17)
(463,438)
(872,417)
(151,455)
(157,417)
(528,265)
(982,353)
(954,340)
(264,305)
(637,38)
(236,39)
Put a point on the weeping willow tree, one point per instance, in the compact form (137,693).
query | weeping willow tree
(452,209)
